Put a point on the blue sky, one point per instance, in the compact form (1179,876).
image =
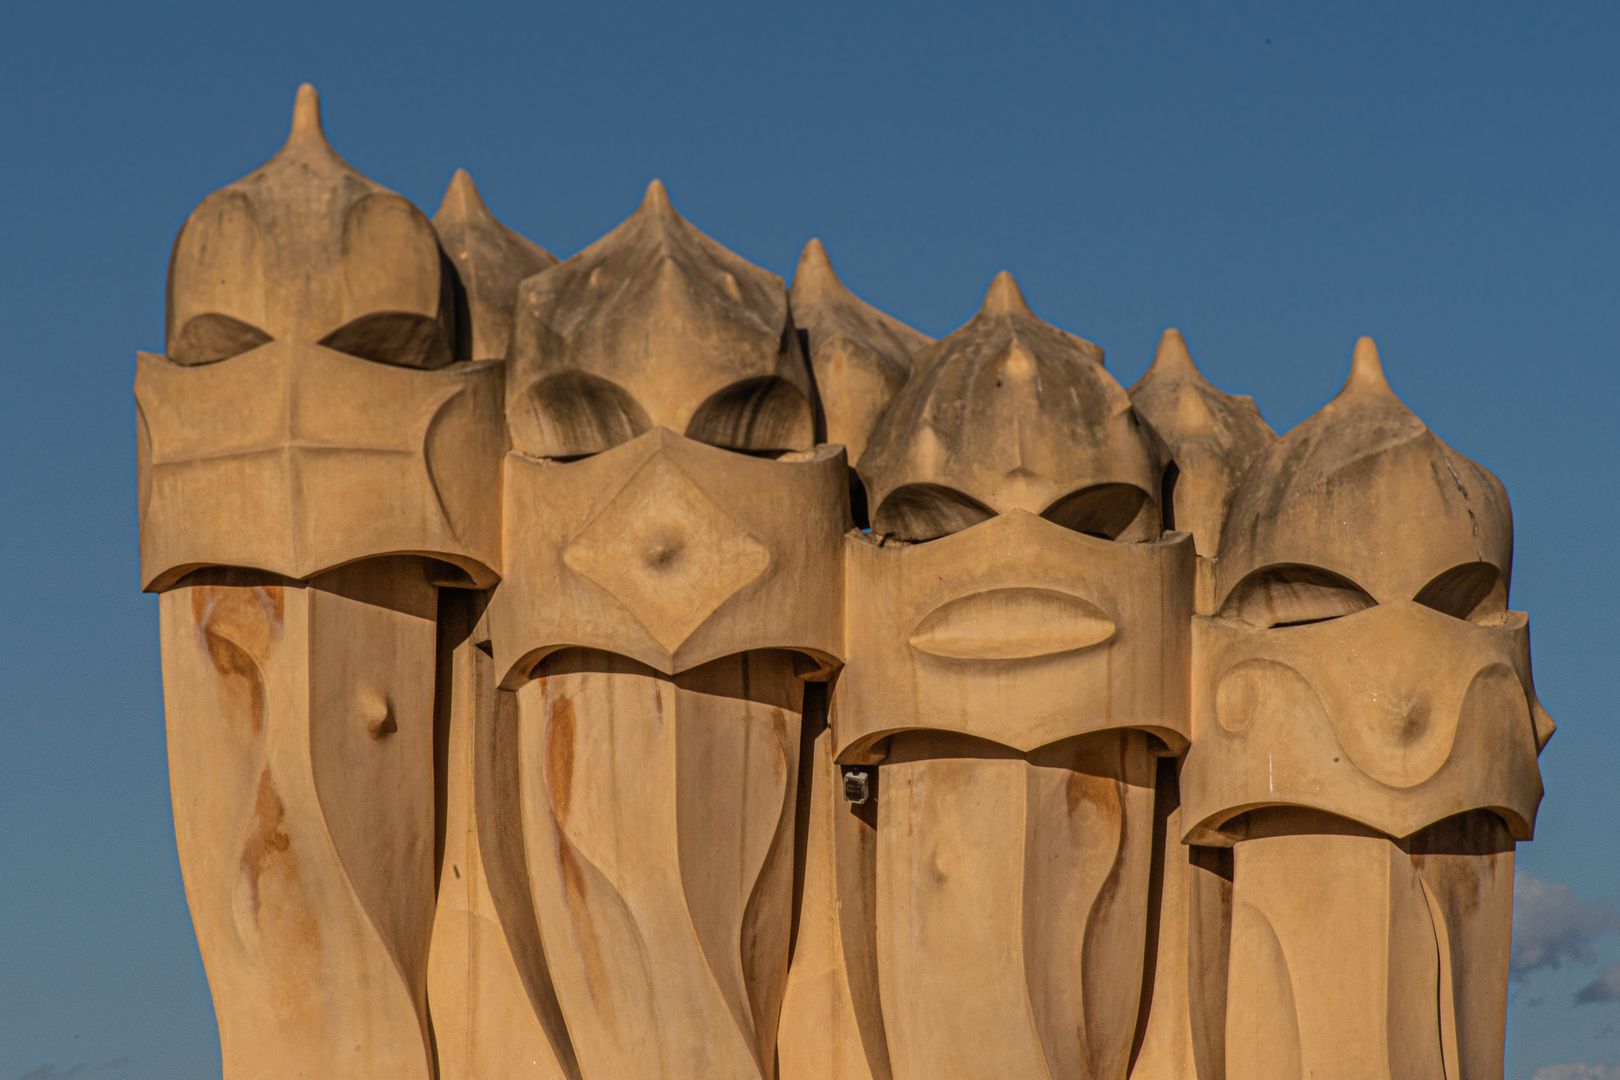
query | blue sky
(1274,179)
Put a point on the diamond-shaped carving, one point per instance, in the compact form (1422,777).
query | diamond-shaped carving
(667,552)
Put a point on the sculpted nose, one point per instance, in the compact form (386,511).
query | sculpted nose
(1403,715)
(663,550)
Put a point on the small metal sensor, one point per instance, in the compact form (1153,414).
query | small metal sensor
(857,786)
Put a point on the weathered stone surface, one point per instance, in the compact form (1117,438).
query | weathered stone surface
(491,262)
(860,356)
(1011,413)
(1365,732)
(534,710)
(306,247)
(656,325)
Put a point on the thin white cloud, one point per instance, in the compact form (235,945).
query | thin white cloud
(1552,924)
(1578,1070)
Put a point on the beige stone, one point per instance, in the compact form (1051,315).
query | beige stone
(1212,437)
(305,488)
(656,325)
(832,1016)
(1018,631)
(300,723)
(1412,979)
(534,710)
(1011,413)
(672,553)
(667,595)
(860,356)
(306,247)
(1018,676)
(1358,1002)
(1365,729)
(658,820)
(656,627)
(1182,1030)
(495,1012)
(1012,895)
(295,458)
(491,263)
(1356,537)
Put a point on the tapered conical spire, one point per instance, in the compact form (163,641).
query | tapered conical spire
(306,123)
(1212,437)
(1172,361)
(462,201)
(663,327)
(491,260)
(305,246)
(656,199)
(1366,372)
(860,355)
(307,147)
(1365,489)
(815,273)
(1004,297)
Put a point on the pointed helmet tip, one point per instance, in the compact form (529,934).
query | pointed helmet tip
(461,197)
(1173,357)
(1004,297)
(657,196)
(307,113)
(1366,370)
(815,267)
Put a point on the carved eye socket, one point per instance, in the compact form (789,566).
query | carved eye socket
(1474,591)
(576,415)
(765,417)
(918,512)
(208,338)
(393,337)
(1293,595)
(1104,510)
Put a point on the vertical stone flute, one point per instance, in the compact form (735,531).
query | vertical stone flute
(1212,438)
(832,1020)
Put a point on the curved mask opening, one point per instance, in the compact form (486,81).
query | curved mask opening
(400,338)
(919,512)
(764,416)
(1294,594)
(1473,591)
(1102,510)
(206,339)
(577,414)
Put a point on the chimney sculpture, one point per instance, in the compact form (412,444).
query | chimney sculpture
(1365,735)
(674,580)
(1024,639)
(316,459)
(534,710)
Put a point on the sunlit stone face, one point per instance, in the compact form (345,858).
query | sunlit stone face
(1362,660)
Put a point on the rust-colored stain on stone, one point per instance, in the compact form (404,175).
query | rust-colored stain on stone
(560,756)
(268,843)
